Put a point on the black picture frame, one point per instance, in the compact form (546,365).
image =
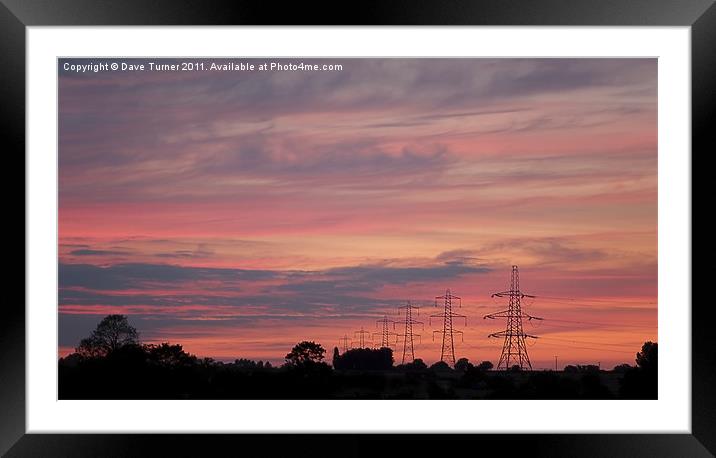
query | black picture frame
(16,15)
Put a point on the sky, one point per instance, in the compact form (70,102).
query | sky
(240,212)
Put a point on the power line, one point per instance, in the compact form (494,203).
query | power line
(587,342)
(548,321)
(574,299)
(561,345)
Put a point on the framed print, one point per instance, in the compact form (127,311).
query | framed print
(424,219)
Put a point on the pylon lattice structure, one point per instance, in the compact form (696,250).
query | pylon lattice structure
(385,332)
(447,353)
(361,337)
(408,335)
(514,350)
(344,343)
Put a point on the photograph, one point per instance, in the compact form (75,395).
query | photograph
(357,228)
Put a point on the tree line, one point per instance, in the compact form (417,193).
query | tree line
(112,363)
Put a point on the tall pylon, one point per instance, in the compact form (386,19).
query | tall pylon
(514,350)
(344,341)
(408,335)
(385,332)
(361,337)
(447,354)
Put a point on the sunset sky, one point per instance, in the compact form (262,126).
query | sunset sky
(238,213)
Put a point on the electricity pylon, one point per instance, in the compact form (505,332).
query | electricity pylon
(361,337)
(408,345)
(447,354)
(514,350)
(344,341)
(385,332)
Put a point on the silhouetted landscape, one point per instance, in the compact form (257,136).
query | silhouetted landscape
(113,364)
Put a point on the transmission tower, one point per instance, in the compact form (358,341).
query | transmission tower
(344,341)
(514,350)
(361,337)
(408,346)
(447,354)
(385,332)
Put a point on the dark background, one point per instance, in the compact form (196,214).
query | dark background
(16,14)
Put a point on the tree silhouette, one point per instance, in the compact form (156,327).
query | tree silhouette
(647,358)
(336,355)
(621,368)
(440,366)
(587,368)
(485,366)
(416,365)
(365,359)
(642,382)
(169,355)
(305,352)
(112,333)
(463,364)
(247,364)
(581,368)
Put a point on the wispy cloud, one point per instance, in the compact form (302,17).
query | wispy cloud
(198,202)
